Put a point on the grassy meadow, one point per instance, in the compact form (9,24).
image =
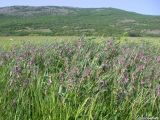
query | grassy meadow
(48,73)
(73,78)
(7,42)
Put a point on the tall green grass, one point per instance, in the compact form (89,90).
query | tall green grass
(82,80)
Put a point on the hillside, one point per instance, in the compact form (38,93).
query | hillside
(52,20)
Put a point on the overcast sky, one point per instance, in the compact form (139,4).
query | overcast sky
(141,6)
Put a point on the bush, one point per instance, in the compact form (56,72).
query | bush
(134,34)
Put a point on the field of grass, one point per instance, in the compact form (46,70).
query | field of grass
(7,42)
(10,41)
(48,78)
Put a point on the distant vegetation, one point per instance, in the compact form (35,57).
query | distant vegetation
(24,20)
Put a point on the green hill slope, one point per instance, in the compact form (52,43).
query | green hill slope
(52,20)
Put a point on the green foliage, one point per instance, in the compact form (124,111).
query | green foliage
(82,80)
(76,21)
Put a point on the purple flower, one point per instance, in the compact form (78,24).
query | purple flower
(158,91)
(125,79)
(140,68)
(87,72)
(121,61)
(158,59)
(142,82)
(74,71)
